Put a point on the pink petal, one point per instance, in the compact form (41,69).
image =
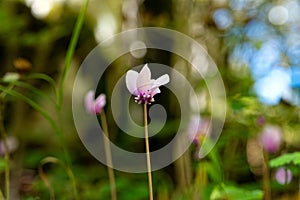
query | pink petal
(89,101)
(99,103)
(271,138)
(131,80)
(101,100)
(144,79)
(13,144)
(164,79)
(283,176)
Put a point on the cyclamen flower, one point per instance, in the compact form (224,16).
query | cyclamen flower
(271,138)
(202,127)
(283,175)
(92,105)
(12,143)
(142,86)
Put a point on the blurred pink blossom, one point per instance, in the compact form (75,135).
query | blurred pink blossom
(202,127)
(92,105)
(271,138)
(142,86)
(13,144)
(260,121)
(283,175)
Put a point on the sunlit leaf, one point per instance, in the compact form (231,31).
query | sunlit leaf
(285,159)
(232,192)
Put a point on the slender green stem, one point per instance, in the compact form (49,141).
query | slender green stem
(6,156)
(73,181)
(47,182)
(69,56)
(299,188)
(71,50)
(4,136)
(107,150)
(266,177)
(43,112)
(1,195)
(148,153)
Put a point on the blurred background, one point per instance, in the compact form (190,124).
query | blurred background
(256,46)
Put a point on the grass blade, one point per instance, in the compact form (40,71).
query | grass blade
(71,50)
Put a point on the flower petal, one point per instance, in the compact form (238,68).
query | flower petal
(89,101)
(164,79)
(131,80)
(155,91)
(148,87)
(144,79)
(100,103)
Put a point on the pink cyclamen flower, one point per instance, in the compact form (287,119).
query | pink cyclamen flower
(271,138)
(283,175)
(142,86)
(92,105)
(202,128)
(12,143)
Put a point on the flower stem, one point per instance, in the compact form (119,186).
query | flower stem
(6,151)
(299,188)
(148,154)
(46,180)
(266,177)
(107,150)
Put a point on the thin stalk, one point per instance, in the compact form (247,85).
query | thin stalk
(71,50)
(299,188)
(6,151)
(4,136)
(266,177)
(147,153)
(107,150)
(46,180)
(43,112)
(67,65)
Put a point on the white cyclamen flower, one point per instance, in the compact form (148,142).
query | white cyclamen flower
(142,86)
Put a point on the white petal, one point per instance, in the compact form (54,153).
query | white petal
(164,79)
(144,77)
(131,80)
(155,91)
(147,87)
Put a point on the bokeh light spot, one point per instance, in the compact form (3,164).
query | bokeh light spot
(278,15)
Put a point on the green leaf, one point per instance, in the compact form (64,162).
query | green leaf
(289,158)
(234,193)
(71,49)
(44,77)
(35,91)
(33,104)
